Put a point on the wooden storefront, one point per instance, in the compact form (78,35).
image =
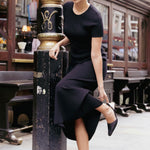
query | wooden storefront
(13,15)
(126,34)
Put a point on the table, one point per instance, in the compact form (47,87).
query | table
(8,90)
(141,100)
(132,83)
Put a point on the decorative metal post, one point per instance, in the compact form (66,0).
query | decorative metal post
(47,73)
(50,23)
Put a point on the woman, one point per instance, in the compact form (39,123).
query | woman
(76,110)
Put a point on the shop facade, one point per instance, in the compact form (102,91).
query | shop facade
(126,33)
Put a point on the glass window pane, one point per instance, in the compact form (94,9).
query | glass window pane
(3,25)
(133,31)
(104,13)
(118,43)
(143,46)
(26,26)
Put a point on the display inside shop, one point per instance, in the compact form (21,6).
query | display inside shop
(26,26)
(3,25)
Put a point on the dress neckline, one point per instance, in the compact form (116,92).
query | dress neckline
(82,13)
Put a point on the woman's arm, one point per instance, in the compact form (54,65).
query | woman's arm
(53,53)
(64,41)
(98,66)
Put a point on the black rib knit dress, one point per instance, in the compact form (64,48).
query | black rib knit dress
(73,94)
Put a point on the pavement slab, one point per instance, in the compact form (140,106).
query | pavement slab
(132,133)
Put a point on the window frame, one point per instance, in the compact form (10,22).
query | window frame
(125,64)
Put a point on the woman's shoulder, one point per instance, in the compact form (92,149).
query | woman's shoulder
(95,13)
(67,4)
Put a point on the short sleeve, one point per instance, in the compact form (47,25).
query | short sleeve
(97,28)
(66,5)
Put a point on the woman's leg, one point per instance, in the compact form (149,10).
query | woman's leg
(107,112)
(92,102)
(81,135)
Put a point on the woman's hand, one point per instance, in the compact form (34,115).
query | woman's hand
(102,94)
(98,66)
(53,53)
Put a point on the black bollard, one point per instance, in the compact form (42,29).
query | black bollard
(47,73)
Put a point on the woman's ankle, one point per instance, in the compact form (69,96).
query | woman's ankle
(107,112)
(110,115)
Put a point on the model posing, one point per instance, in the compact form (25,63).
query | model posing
(76,110)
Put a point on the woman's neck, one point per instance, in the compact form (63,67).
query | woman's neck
(81,6)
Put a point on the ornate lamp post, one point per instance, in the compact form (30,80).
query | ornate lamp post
(50,23)
(47,72)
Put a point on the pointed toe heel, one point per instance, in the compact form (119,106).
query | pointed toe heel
(112,126)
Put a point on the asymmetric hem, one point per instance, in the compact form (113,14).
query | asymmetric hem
(73,100)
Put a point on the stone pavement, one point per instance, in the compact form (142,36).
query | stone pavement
(132,133)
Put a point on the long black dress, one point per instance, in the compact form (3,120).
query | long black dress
(73,94)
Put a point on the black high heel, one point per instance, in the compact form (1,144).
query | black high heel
(112,126)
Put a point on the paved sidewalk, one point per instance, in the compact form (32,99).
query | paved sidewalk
(132,133)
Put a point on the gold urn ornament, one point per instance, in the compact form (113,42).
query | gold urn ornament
(59,2)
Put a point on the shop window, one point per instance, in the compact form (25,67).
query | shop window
(143,46)
(26,25)
(118,42)
(3,25)
(133,42)
(104,13)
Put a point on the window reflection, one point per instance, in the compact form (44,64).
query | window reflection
(3,24)
(143,51)
(133,38)
(118,43)
(104,13)
(26,25)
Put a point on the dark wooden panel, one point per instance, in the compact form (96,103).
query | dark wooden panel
(118,64)
(148,45)
(11,31)
(145,4)
(134,5)
(3,55)
(143,65)
(134,65)
(3,66)
(23,56)
(23,66)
